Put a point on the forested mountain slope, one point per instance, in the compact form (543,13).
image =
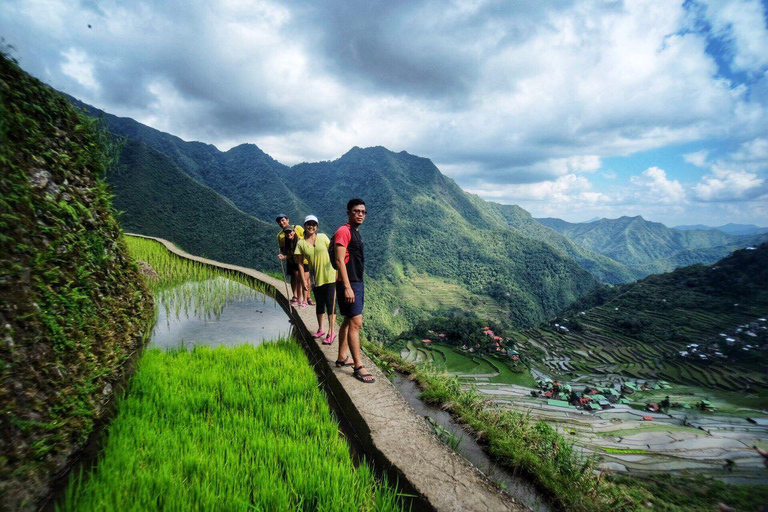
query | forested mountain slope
(649,329)
(651,247)
(250,178)
(157,198)
(604,268)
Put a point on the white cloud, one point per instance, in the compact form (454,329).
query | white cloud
(728,185)
(77,65)
(699,158)
(742,22)
(653,187)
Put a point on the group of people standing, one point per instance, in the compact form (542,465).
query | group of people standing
(331,268)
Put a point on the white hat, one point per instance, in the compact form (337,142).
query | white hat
(309,218)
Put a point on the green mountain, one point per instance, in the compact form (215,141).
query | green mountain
(651,247)
(649,329)
(604,268)
(157,198)
(251,179)
(437,247)
(434,243)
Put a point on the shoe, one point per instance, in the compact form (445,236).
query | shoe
(363,377)
(294,302)
(329,339)
(303,305)
(319,334)
(311,302)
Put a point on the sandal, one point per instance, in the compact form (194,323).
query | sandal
(294,302)
(310,302)
(345,362)
(319,334)
(329,339)
(363,377)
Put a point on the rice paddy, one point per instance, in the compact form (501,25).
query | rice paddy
(241,428)
(230,428)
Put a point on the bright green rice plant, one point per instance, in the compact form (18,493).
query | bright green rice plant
(241,428)
(186,286)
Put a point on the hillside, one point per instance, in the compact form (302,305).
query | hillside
(435,243)
(251,179)
(646,329)
(157,198)
(73,308)
(604,268)
(651,247)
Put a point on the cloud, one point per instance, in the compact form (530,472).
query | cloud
(652,186)
(519,101)
(741,24)
(741,175)
(699,158)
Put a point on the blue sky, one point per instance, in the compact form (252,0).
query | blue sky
(569,109)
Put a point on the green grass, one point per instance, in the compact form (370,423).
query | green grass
(227,429)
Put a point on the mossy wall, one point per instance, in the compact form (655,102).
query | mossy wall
(73,307)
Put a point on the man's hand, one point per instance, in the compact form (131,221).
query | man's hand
(281,255)
(349,295)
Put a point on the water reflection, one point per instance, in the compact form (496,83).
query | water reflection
(217,312)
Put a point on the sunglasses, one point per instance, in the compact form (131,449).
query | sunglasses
(361,212)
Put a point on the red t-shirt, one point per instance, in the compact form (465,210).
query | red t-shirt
(354,258)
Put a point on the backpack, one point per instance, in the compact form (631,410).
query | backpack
(332,252)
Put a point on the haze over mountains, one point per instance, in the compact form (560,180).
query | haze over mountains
(651,247)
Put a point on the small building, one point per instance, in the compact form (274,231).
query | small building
(624,401)
(559,403)
(605,404)
(594,407)
(647,418)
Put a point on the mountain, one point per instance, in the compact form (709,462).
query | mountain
(251,179)
(436,246)
(157,198)
(649,329)
(651,247)
(730,229)
(604,268)
(432,240)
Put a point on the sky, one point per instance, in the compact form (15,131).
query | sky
(574,110)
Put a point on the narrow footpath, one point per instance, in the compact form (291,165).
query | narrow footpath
(392,434)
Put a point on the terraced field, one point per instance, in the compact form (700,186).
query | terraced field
(464,364)
(598,349)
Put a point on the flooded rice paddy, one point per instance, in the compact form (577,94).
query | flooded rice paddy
(241,315)
(685,441)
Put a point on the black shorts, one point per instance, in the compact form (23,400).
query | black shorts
(292,267)
(325,296)
(350,309)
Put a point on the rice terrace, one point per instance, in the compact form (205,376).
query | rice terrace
(199,427)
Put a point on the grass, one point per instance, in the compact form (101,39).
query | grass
(242,428)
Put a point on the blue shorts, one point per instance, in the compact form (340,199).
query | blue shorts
(350,309)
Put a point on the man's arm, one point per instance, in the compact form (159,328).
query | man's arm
(340,251)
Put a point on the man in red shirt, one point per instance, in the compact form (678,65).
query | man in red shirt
(350,290)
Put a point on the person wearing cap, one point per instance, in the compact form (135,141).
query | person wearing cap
(286,244)
(314,248)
